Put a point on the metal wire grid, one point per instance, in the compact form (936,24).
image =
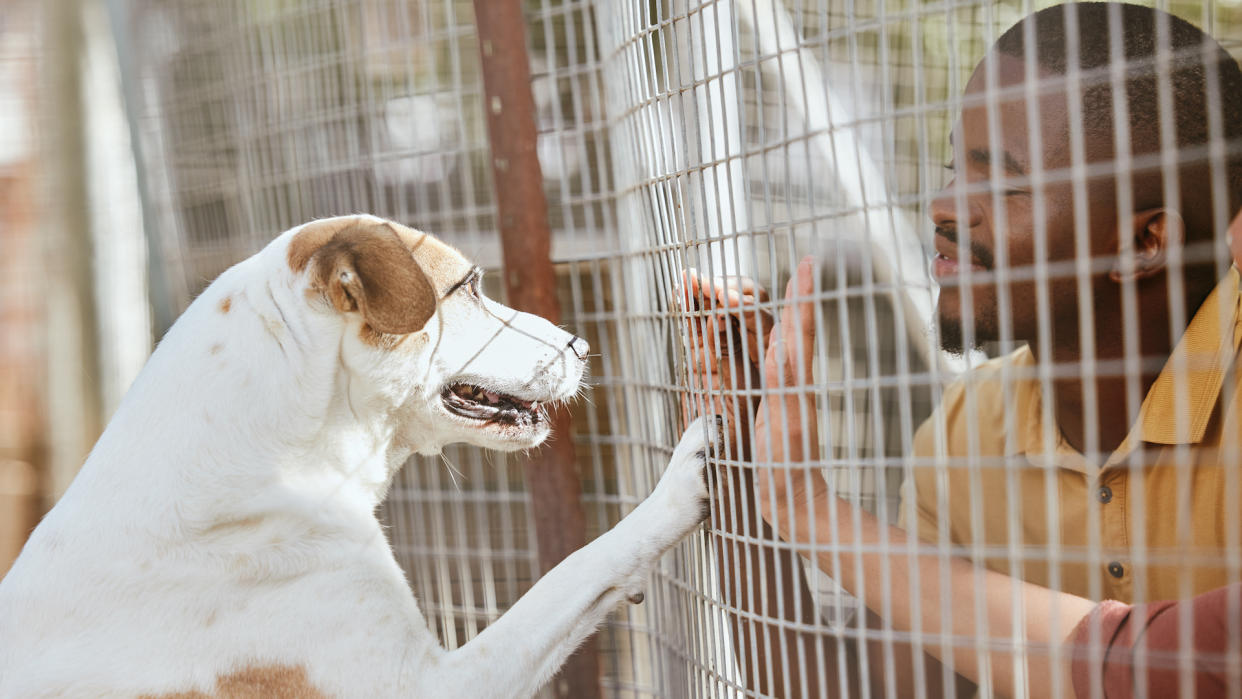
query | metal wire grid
(706,94)
(253,118)
(674,135)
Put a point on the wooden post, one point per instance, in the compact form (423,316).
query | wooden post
(530,285)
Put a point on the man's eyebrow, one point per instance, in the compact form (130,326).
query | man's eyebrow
(474,272)
(983,157)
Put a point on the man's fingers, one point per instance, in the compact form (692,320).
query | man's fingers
(756,333)
(734,301)
(737,299)
(771,362)
(806,317)
(789,341)
(771,407)
(792,348)
(728,291)
(691,289)
(1235,240)
(749,286)
(797,328)
(742,287)
(755,326)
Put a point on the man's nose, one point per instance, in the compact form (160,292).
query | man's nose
(945,210)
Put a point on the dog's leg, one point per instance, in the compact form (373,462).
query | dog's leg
(520,651)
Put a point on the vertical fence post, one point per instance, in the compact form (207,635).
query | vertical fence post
(75,405)
(530,284)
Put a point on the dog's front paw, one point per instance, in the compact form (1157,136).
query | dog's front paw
(685,484)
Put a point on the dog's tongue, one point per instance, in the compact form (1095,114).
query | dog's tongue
(492,398)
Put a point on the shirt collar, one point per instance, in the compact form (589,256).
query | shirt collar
(1196,370)
(1180,403)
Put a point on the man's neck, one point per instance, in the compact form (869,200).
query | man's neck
(1116,396)
(1112,414)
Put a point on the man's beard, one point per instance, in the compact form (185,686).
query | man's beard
(953,335)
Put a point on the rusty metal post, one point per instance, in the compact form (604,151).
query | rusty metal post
(530,283)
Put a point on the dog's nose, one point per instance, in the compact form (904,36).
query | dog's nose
(580,347)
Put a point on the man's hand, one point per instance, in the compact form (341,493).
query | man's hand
(1235,239)
(780,653)
(725,326)
(787,424)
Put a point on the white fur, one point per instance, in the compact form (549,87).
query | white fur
(225,519)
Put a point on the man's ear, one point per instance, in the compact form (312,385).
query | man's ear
(1144,252)
(364,266)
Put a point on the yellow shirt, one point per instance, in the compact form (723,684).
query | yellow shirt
(1159,518)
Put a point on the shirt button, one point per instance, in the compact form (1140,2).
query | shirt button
(1104,494)
(1116,570)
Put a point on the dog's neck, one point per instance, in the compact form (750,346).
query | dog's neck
(314,434)
(338,436)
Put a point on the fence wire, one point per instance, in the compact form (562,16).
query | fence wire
(731,138)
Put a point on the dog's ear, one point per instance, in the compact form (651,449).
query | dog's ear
(364,266)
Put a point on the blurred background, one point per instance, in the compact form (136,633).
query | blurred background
(146,145)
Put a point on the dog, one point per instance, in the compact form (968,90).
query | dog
(221,538)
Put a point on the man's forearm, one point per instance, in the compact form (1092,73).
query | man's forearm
(766,589)
(975,595)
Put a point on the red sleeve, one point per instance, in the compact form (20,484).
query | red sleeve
(1115,663)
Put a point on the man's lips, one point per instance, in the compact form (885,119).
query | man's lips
(946,262)
(944,266)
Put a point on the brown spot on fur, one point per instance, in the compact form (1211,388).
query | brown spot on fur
(378,339)
(312,237)
(215,349)
(412,239)
(226,304)
(365,266)
(229,525)
(270,682)
(441,262)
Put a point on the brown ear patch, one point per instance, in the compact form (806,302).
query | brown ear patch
(312,237)
(271,682)
(226,305)
(366,267)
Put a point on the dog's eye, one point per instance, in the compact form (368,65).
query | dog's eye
(474,285)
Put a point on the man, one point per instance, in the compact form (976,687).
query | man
(1080,220)
(1109,447)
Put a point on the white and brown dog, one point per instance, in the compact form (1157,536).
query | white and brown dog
(221,540)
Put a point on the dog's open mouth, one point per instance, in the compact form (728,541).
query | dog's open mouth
(477,403)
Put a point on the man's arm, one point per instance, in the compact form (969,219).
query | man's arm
(764,586)
(785,427)
(782,648)
(879,567)
(1118,665)
(774,627)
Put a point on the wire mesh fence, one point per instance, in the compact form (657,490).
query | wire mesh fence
(734,138)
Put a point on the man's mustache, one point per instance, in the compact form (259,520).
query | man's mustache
(981,254)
